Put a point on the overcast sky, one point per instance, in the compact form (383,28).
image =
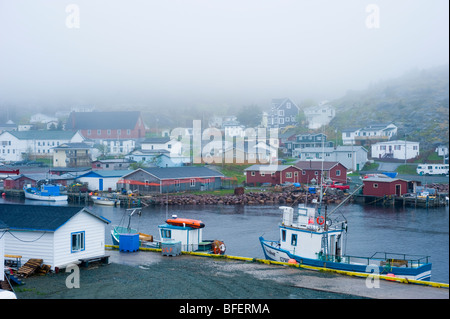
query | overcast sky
(210,52)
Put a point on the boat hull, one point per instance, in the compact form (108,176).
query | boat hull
(45,197)
(272,252)
(105,201)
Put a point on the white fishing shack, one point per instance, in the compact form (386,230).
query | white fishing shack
(59,235)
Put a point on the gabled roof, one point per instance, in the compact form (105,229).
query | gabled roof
(316,165)
(268,168)
(105,173)
(181,172)
(42,135)
(74,146)
(156,140)
(39,217)
(103,120)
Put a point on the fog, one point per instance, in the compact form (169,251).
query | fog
(151,54)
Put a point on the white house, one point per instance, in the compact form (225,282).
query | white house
(171,145)
(42,118)
(397,149)
(352,157)
(373,132)
(16,146)
(102,180)
(119,146)
(319,115)
(58,235)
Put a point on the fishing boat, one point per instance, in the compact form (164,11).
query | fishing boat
(314,239)
(126,230)
(106,201)
(45,192)
(189,232)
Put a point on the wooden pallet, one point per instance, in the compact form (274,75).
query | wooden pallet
(30,267)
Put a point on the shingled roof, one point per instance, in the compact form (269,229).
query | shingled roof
(103,120)
(39,217)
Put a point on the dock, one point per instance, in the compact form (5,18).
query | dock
(300,276)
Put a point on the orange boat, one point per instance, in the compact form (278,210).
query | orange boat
(185,222)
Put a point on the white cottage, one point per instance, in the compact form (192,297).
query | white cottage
(58,235)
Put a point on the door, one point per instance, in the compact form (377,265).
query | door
(398,189)
(100,184)
(295,177)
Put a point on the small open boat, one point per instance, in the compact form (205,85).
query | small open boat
(105,201)
(120,230)
(185,222)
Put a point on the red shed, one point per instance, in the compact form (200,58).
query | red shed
(380,186)
(273,174)
(313,170)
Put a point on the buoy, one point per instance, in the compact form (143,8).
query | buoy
(292,261)
(390,275)
(3,194)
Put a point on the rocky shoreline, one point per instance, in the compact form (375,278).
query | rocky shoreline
(250,198)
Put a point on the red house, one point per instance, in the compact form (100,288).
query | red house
(312,170)
(380,186)
(273,174)
(107,125)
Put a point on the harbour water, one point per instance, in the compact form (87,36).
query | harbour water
(416,231)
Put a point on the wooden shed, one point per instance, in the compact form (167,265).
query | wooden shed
(172,179)
(58,235)
(381,186)
(272,174)
(312,171)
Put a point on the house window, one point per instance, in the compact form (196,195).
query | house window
(280,112)
(338,172)
(146,183)
(281,121)
(262,174)
(375,185)
(128,132)
(192,182)
(119,131)
(99,132)
(288,119)
(316,173)
(177,183)
(303,172)
(77,241)
(253,173)
(88,132)
(108,132)
(288,105)
(288,174)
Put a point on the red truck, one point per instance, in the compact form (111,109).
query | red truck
(336,185)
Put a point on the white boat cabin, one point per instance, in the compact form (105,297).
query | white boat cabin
(309,236)
(189,237)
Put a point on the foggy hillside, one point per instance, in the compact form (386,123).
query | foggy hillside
(418,103)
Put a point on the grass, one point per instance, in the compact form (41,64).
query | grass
(234,170)
(407,169)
